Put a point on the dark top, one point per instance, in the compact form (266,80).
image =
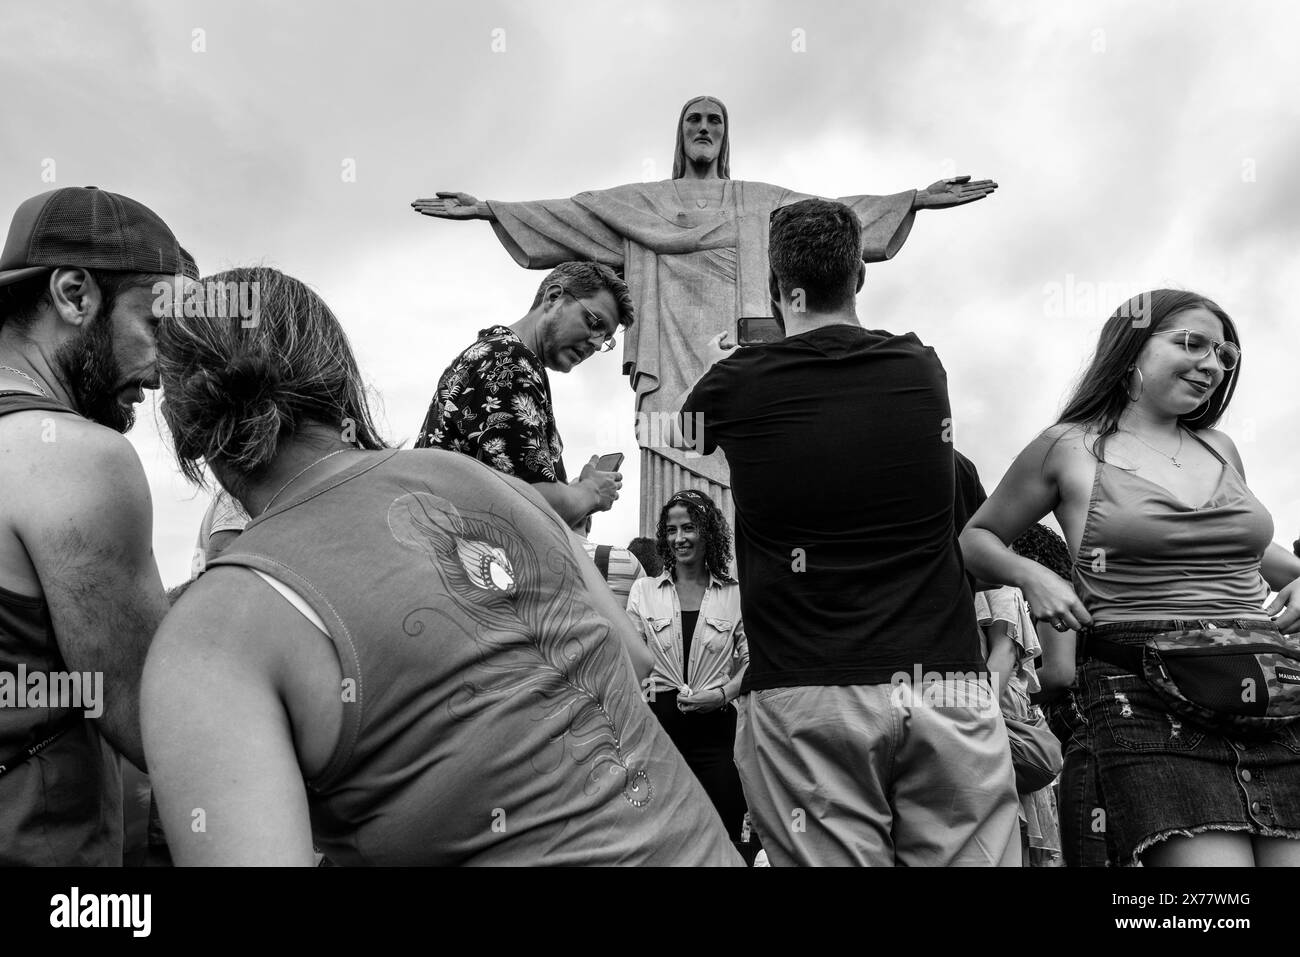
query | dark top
(839,442)
(969,496)
(494,403)
(63,805)
(491,715)
(689,620)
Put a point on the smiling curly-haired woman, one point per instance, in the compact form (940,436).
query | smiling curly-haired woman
(689,616)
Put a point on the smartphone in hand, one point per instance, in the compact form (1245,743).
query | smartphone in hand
(609,463)
(757,330)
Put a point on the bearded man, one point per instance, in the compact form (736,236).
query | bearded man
(80,594)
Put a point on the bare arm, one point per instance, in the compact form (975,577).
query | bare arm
(1057,671)
(1001,660)
(1280,567)
(1026,493)
(89,533)
(218,733)
(1280,570)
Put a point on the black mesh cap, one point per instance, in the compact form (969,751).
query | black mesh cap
(189,268)
(89,227)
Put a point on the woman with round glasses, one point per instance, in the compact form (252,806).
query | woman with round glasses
(689,617)
(1163,531)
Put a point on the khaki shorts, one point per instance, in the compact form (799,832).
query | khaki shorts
(878,775)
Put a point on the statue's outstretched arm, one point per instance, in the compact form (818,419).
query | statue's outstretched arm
(453,206)
(952,192)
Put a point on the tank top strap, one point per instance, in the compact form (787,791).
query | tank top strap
(1209,448)
(13,401)
(1099,453)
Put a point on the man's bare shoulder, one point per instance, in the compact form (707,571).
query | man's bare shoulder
(64,459)
(76,495)
(49,438)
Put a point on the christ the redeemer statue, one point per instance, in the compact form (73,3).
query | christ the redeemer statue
(693,250)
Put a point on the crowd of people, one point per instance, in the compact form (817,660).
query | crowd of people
(417,656)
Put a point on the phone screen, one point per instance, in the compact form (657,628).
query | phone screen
(610,462)
(756,330)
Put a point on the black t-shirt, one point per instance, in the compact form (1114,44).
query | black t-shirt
(970,495)
(840,447)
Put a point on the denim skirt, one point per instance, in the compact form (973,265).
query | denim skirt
(1161,776)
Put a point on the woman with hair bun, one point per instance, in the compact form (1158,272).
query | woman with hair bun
(1166,539)
(689,618)
(404,658)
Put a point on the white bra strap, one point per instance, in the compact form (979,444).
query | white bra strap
(293,598)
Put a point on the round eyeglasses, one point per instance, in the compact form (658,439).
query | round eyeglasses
(1199,345)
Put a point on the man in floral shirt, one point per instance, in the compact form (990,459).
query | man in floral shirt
(494,400)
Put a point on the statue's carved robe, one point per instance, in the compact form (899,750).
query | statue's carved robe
(693,267)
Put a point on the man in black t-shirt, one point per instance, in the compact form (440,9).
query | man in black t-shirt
(869,733)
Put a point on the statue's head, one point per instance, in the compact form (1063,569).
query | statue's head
(703,134)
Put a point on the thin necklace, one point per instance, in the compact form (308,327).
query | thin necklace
(299,475)
(20,372)
(1172,458)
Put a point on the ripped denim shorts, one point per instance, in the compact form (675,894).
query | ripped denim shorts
(1161,777)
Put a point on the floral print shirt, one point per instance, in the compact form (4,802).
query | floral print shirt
(494,403)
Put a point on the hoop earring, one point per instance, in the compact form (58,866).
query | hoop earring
(1141,385)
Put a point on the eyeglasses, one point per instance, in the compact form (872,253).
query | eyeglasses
(1199,345)
(595,325)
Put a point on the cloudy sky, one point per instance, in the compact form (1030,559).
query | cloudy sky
(1137,146)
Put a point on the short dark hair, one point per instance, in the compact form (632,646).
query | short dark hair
(581,279)
(21,302)
(816,245)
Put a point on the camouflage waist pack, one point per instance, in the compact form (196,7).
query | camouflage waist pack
(1236,680)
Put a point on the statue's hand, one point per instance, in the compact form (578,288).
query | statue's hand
(953,192)
(449,206)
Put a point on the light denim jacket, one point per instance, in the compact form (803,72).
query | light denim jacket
(718,646)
